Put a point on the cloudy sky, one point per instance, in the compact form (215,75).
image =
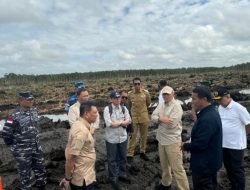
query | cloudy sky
(48,36)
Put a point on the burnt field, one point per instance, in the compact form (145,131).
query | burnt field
(51,97)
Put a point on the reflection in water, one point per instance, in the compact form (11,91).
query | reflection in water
(62,117)
(1,124)
(246,91)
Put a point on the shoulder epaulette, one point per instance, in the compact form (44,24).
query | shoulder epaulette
(130,91)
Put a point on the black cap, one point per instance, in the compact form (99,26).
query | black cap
(114,95)
(162,82)
(221,92)
(27,95)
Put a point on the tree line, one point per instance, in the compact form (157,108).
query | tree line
(12,78)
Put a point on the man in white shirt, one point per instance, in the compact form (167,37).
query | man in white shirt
(74,110)
(162,84)
(234,119)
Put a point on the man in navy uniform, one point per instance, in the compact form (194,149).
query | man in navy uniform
(73,99)
(21,134)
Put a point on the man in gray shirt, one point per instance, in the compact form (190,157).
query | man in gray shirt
(117,119)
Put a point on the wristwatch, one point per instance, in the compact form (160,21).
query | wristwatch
(68,179)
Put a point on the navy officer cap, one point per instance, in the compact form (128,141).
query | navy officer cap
(26,95)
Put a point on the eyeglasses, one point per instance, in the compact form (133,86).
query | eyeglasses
(29,99)
(137,84)
(124,97)
(165,94)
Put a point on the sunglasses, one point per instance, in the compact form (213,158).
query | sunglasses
(29,99)
(137,84)
(124,97)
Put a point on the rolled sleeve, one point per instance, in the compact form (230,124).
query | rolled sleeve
(155,115)
(176,116)
(106,116)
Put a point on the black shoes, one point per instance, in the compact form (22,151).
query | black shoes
(124,179)
(162,187)
(129,159)
(115,185)
(144,156)
(41,187)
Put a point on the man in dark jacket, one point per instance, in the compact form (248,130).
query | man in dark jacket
(206,141)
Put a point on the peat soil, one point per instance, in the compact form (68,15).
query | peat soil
(143,174)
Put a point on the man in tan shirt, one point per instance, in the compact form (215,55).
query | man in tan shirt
(74,110)
(139,100)
(168,115)
(80,152)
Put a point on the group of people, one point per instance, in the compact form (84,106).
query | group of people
(119,133)
(218,136)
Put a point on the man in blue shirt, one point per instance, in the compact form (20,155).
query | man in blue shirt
(73,99)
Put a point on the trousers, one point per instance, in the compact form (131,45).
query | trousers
(143,128)
(29,159)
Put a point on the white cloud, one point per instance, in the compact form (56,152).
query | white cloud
(202,39)
(71,36)
(125,56)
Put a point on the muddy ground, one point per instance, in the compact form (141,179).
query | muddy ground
(143,175)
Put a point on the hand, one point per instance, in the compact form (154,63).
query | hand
(181,147)
(92,130)
(116,124)
(64,184)
(124,123)
(166,120)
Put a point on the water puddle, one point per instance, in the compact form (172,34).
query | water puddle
(62,117)
(245,91)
